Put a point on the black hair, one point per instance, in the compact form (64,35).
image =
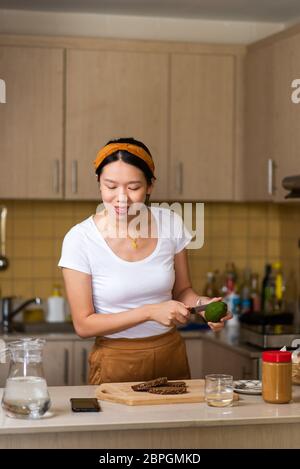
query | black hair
(127,157)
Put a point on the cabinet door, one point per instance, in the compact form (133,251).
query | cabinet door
(286,117)
(202,127)
(109,95)
(81,366)
(58,363)
(219,359)
(259,163)
(31,123)
(195,357)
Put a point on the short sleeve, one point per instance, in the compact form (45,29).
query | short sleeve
(182,236)
(74,255)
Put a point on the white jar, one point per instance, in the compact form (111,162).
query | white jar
(56,309)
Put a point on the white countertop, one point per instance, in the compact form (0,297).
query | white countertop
(249,410)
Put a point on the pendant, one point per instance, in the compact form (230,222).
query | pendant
(134,243)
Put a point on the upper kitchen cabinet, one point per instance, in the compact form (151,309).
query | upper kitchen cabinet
(31,123)
(202,126)
(259,161)
(113,94)
(272,119)
(286,115)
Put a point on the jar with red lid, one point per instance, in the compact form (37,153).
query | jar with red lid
(277,377)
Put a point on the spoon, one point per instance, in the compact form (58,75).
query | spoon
(3,259)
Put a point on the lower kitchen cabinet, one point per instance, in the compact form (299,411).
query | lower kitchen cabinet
(220,359)
(58,362)
(82,349)
(194,352)
(206,356)
(66,362)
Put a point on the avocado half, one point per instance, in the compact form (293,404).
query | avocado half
(215,311)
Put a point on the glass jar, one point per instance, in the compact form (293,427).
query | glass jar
(25,394)
(277,377)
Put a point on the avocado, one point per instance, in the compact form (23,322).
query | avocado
(215,311)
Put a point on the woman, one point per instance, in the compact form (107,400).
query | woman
(130,287)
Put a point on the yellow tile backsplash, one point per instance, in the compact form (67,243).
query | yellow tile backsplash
(250,234)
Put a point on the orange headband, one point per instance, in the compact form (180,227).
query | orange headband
(133,149)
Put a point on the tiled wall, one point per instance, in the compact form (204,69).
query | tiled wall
(35,231)
(248,234)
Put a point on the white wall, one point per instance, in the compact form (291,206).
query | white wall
(133,27)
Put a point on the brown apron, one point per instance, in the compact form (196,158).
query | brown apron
(122,360)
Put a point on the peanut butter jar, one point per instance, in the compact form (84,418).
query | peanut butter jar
(277,377)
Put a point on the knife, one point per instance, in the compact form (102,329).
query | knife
(197,309)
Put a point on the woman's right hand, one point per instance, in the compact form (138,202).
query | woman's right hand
(169,313)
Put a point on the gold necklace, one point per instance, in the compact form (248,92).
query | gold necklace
(133,242)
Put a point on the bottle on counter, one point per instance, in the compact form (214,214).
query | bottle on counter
(210,288)
(277,377)
(268,290)
(279,287)
(229,280)
(56,306)
(246,292)
(255,296)
(231,277)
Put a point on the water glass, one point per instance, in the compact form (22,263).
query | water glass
(219,390)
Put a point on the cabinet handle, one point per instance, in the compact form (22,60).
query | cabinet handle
(66,367)
(84,367)
(74,177)
(271,168)
(56,176)
(179,178)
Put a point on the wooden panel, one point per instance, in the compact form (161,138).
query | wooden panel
(258,123)
(58,363)
(195,356)
(110,95)
(31,123)
(133,45)
(286,115)
(82,349)
(219,359)
(202,113)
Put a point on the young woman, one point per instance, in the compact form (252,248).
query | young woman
(130,287)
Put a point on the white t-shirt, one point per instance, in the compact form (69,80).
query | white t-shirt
(119,285)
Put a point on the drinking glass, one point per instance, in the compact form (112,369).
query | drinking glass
(219,390)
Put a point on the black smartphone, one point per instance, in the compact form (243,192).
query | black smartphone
(85,404)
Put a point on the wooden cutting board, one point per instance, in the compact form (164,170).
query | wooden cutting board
(122,393)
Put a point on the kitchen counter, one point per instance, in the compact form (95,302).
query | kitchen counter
(223,338)
(249,423)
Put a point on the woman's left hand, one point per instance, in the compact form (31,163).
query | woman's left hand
(215,326)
